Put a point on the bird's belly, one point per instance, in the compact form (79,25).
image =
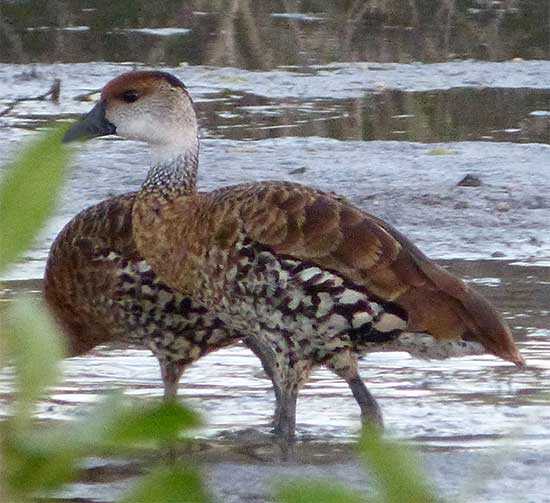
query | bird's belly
(296,306)
(173,326)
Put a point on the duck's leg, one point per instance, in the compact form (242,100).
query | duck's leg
(294,376)
(287,378)
(171,372)
(267,358)
(345,365)
(371,414)
(284,424)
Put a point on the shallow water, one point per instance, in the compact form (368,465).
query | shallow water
(462,414)
(359,112)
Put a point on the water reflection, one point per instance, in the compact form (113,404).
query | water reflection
(457,114)
(264,35)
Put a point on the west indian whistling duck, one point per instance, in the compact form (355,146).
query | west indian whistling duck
(308,276)
(101,290)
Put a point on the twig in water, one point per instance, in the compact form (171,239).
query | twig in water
(52,93)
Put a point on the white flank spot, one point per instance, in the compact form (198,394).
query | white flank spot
(351,297)
(309,273)
(338,322)
(275,319)
(337,280)
(143,266)
(294,303)
(164,297)
(306,301)
(325,304)
(360,319)
(325,276)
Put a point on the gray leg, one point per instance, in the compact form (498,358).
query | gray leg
(371,414)
(171,374)
(267,358)
(296,373)
(285,420)
(287,378)
(345,365)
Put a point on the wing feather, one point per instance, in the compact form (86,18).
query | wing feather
(329,231)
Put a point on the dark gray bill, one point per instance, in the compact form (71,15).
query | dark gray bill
(90,125)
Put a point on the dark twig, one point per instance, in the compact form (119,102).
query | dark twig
(52,94)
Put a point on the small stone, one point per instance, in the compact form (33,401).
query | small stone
(469,181)
(298,171)
(498,254)
(503,207)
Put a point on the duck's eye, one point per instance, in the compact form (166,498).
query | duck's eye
(130,96)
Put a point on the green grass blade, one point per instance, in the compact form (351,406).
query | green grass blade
(35,348)
(39,459)
(35,461)
(28,192)
(317,492)
(118,423)
(169,485)
(396,470)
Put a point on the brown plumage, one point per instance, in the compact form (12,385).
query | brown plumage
(310,225)
(100,290)
(310,277)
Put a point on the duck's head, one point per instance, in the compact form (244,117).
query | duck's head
(148,106)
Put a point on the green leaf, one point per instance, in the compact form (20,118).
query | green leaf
(35,462)
(28,193)
(32,341)
(317,492)
(118,423)
(396,470)
(45,459)
(177,484)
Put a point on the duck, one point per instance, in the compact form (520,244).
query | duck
(100,290)
(311,278)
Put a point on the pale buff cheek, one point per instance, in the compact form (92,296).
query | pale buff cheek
(131,122)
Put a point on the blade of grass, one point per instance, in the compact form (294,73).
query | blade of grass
(35,347)
(118,423)
(28,193)
(396,470)
(317,492)
(33,462)
(46,459)
(169,485)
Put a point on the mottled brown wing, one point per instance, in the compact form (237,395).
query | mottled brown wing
(78,273)
(315,226)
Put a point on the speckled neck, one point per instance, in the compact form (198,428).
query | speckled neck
(173,170)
